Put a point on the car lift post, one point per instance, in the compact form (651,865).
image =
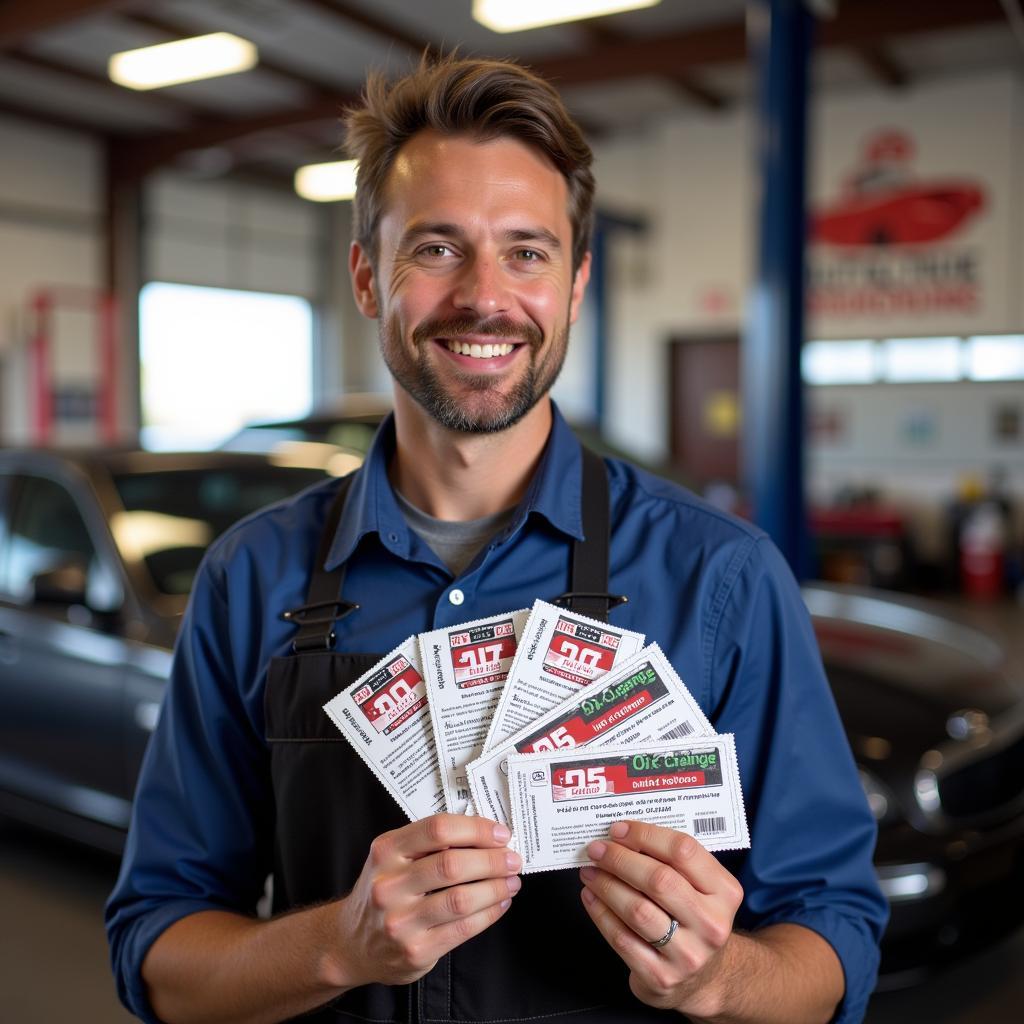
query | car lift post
(780,36)
(44,304)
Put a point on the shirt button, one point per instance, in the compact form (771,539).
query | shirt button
(456,596)
(393,537)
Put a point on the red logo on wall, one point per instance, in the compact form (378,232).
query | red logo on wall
(882,203)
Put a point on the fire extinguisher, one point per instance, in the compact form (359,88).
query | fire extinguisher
(983,552)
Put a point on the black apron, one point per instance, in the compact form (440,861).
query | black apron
(544,958)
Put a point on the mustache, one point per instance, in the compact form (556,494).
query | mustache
(494,327)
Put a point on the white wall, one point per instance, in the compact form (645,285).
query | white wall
(693,178)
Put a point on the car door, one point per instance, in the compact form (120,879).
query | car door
(61,662)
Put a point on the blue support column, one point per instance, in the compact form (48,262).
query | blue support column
(606,224)
(599,294)
(773,409)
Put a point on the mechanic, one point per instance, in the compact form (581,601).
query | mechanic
(471,223)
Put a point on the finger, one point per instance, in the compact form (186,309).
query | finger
(684,853)
(445,937)
(633,908)
(462,901)
(439,832)
(658,881)
(456,866)
(637,954)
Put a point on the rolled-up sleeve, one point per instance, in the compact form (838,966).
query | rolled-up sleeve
(198,835)
(812,833)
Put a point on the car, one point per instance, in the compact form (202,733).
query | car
(337,436)
(935,719)
(109,545)
(97,555)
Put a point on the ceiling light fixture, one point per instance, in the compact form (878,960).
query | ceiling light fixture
(327,183)
(184,60)
(515,15)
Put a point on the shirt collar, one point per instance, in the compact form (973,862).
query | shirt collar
(555,492)
(371,506)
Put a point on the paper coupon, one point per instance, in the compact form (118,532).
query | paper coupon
(561,652)
(564,800)
(465,668)
(640,701)
(384,714)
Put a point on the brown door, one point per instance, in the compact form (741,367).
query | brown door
(704,405)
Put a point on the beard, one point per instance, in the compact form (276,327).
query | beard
(487,408)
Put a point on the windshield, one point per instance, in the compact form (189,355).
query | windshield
(170,517)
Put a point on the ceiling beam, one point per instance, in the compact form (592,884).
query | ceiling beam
(666,54)
(699,93)
(857,25)
(868,21)
(599,32)
(51,119)
(20,20)
(348,13)
(882,63)
(136,158)
(97,81)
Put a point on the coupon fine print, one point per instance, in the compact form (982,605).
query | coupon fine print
(560,653)
(384,714)
(642,700)
(564,800)
(465,667)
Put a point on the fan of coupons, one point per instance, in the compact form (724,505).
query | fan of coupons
(550,722)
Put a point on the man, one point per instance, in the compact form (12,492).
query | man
(472,223)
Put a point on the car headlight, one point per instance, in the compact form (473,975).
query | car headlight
(880,798)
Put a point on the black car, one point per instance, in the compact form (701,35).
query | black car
(97,555)
(936,725)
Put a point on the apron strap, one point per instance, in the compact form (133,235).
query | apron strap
(588,594)
(324,604)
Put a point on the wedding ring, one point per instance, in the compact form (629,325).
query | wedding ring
(667,937)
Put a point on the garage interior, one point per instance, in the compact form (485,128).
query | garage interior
(165,284)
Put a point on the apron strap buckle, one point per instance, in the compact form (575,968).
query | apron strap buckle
(314,642)
(311,620)
(302,616)
(578,600)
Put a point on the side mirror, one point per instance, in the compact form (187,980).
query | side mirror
(64,584)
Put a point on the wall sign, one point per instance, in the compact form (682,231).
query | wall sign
(890,240)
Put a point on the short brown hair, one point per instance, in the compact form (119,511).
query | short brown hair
(485,99)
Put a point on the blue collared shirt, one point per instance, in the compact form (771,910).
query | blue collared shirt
(711,590)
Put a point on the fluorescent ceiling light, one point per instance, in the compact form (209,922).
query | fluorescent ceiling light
(185,60)
(327,183)
(514,15)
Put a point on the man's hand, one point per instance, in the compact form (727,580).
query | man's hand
(646,876)
(424,889)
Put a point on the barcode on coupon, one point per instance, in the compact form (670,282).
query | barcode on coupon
(701,826)
(677,734)
(462,794)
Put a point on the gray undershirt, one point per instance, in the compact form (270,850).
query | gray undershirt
(455,543)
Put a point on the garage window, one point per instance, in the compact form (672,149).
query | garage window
(214,359)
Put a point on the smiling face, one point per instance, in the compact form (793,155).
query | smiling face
(473,288)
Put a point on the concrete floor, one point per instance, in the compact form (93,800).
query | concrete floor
(53,950)
(53,953)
